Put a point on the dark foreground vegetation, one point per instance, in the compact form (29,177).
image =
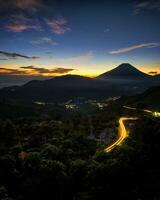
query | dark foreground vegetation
(51,159)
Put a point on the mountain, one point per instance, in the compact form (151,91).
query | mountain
(124,71)
(123,80)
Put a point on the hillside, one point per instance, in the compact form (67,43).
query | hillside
(149,99)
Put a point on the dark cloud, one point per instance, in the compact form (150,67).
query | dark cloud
(49,71)
(33,71)
(10,71)
(62,70)
(147,5)
(153,73)
(36,69)
(32,5)
(16,55)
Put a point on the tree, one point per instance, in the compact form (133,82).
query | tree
(8,135)
(4,194)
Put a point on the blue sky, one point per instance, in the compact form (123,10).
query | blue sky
(83,37)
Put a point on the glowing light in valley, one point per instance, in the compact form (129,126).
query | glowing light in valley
(156,114)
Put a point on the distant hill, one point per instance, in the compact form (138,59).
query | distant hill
(148,99)
(60,89)
(151,97)
(7,80)
(157,77)
(124,71)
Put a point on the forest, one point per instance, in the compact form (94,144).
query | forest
(55,159)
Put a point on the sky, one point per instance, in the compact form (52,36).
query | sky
(84,37)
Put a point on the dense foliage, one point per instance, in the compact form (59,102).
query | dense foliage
(51,159)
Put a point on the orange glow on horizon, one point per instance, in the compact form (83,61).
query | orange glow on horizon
(88,72)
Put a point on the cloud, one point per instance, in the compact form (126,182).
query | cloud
(79,58)
(34,71)
(48,71)
(131,48)
(10,71)
(106,30)
(153,73)
(61,70)
(20,27)
(147,5)
(16,55)
(49,52)
(58,26)
(44,41)
(20,22)
(29,5)
(17,19)
(20,18)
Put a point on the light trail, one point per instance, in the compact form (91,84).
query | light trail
(153,113)
(148,111)
(131,108)
(122,133)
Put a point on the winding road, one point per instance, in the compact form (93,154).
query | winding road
(122,133)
